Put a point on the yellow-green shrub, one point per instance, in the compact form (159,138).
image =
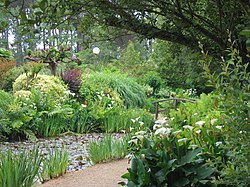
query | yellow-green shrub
(50,86)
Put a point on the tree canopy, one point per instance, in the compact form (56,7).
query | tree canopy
(211,26)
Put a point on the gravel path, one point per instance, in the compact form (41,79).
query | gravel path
(100,175)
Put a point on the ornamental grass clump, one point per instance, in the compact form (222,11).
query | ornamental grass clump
(120,87)
(19,169)
(54,164)
(108,148)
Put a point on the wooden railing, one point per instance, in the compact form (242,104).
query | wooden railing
(175,102)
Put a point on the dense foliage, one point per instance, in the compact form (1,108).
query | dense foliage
(199,143)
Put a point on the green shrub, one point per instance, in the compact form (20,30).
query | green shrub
(82,121)
(5,66)
(232,89)
(107,149)
(154,80)
(5,100)
(120,119)
(10,77)
(166,158)
(52,87)
(7,54)
(203,109)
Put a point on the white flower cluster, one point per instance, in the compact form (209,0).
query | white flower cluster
(161,127)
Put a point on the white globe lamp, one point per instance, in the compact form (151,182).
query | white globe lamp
(96,50)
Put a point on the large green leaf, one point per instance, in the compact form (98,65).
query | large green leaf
(245,32)
(204,172)
(161,175)
(189,157)
(181,182)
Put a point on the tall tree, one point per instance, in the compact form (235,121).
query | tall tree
(194,23)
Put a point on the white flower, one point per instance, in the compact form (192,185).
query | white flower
(137,118)
(133,120)
(183,140)
(139,137)
(84,106)
(213,121)
(198,131)
(188,127)
(195,114)
(156,126)
(177,132)
(161,122)
(99,97)
(141,123)
(72,94)
(163,130)
(219,127)
(133,141)
(130,129)
(140,133)
(67,92)
(193,146)
(172,118)
(200,123)
(218,143)
(123,131)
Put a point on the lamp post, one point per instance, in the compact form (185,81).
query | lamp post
(96,51)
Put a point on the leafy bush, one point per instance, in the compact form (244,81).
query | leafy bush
(203,109)
(5,100)
(5,66)
(55,121)
(52,87)
(7,54)
(81,120)
(232,88)
(118,86)
(154,80)
(166,158)
(120,119)
(9,77)
(72,78)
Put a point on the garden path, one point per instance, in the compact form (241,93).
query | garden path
(100,175)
